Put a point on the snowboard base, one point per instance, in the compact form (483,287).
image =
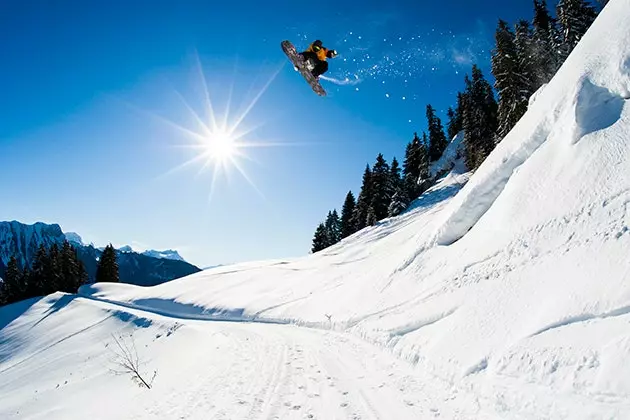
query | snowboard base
(298,62)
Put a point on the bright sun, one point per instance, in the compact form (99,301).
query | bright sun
(220,145)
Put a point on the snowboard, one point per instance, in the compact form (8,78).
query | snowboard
(298,62)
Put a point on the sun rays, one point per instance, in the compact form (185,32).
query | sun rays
(220,141)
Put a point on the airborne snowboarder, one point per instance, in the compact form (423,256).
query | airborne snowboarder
(311,63)
(318,54)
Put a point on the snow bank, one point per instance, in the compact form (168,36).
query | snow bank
(586,95)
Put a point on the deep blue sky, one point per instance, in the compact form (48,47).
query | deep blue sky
(79,147)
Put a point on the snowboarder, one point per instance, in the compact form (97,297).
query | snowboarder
(317,54)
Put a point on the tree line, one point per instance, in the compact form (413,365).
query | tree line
(54,269)
(526,56)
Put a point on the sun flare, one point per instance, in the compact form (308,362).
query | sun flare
(221,145)
(219,142)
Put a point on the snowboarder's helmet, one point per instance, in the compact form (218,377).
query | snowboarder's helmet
(317,43)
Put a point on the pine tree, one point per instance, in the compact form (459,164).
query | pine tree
(12,290)
(364,200)
(575,18)
(546,56)
(347,225)
(411,167)
(395,179)
(437,139)
(371,217)
(480,119)
(39,273)
(73,273)
(381,193)
(320,239)
(53,271)
(333,228)
(399,203)
(423,159)
(524,42)
(453,126)
(511,82)
(107,269)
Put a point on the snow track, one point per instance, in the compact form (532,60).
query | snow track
(205,369)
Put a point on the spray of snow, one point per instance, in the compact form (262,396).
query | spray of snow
(347,81)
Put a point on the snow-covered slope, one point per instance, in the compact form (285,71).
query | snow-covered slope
(509,298)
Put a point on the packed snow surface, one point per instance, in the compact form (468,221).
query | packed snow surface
(506,295)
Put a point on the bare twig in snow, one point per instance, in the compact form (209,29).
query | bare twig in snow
(128,361)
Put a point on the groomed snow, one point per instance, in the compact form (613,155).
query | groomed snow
(509,298)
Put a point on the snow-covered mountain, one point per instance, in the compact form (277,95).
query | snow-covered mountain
(22,241)
(74,238)
(146,269)
(504,294)
(168,254)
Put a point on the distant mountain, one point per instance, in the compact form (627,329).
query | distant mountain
(74,238)
(169,254)
(146,269)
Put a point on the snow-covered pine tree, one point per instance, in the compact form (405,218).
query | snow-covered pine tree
(371,217)
(437,138)
(399,202)
(107,269)
(575,17)
(524,41)
(511,81)
(363,201)
(545,45)
(347,225)
(381,193)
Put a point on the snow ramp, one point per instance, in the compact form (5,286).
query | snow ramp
(586,96)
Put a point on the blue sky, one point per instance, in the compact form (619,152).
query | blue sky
(94,93)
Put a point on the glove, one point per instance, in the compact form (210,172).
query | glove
(332,53)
